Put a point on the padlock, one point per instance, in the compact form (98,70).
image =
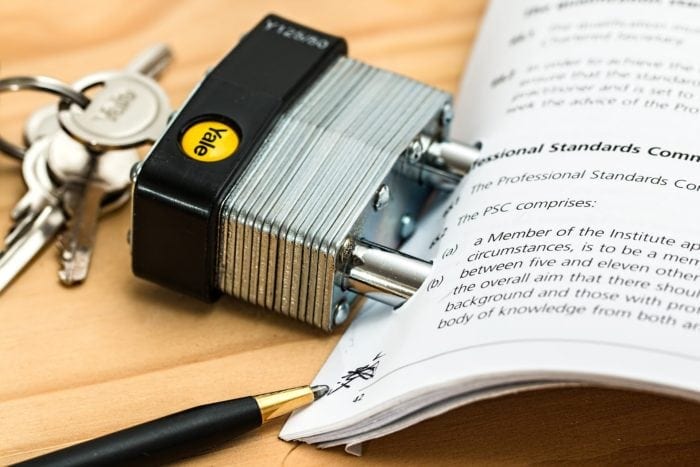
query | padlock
(291,175)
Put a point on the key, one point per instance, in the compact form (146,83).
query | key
(39,193)
(91,182)
(82,203)
(130,110)
(44,216)
(43,122)
(41,218)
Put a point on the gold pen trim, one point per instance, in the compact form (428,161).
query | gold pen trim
(277,404)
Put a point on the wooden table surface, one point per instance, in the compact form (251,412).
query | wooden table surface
(76,363)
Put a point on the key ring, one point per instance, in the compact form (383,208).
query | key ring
(37,83)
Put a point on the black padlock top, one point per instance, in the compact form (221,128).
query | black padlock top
(177,198)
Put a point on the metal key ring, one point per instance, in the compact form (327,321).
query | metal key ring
(37,83)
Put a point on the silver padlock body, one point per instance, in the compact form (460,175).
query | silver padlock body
(327,171)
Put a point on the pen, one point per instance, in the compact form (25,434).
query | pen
(183,433)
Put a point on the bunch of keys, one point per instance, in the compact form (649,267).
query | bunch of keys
(78,159)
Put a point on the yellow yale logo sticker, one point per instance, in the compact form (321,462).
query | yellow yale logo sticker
(209,141)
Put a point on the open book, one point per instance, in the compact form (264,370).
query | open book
(570,254)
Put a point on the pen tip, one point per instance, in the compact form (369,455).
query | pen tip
(320,391)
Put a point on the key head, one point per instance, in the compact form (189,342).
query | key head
(41,191)
(130,110)
(69,161)
(41,123)
(40,188)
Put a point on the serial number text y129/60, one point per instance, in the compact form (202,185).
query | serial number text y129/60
(296,34)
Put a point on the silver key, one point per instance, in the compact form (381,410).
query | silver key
(90,181)
(44,216)
(39,194)
(40,220)
(130,110)
(85,184)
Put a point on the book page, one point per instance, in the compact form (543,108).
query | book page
(571,252)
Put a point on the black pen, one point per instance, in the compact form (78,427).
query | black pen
(183,433)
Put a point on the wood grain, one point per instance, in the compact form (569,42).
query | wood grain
(117,351)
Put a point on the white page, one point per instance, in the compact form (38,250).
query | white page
(622,78)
